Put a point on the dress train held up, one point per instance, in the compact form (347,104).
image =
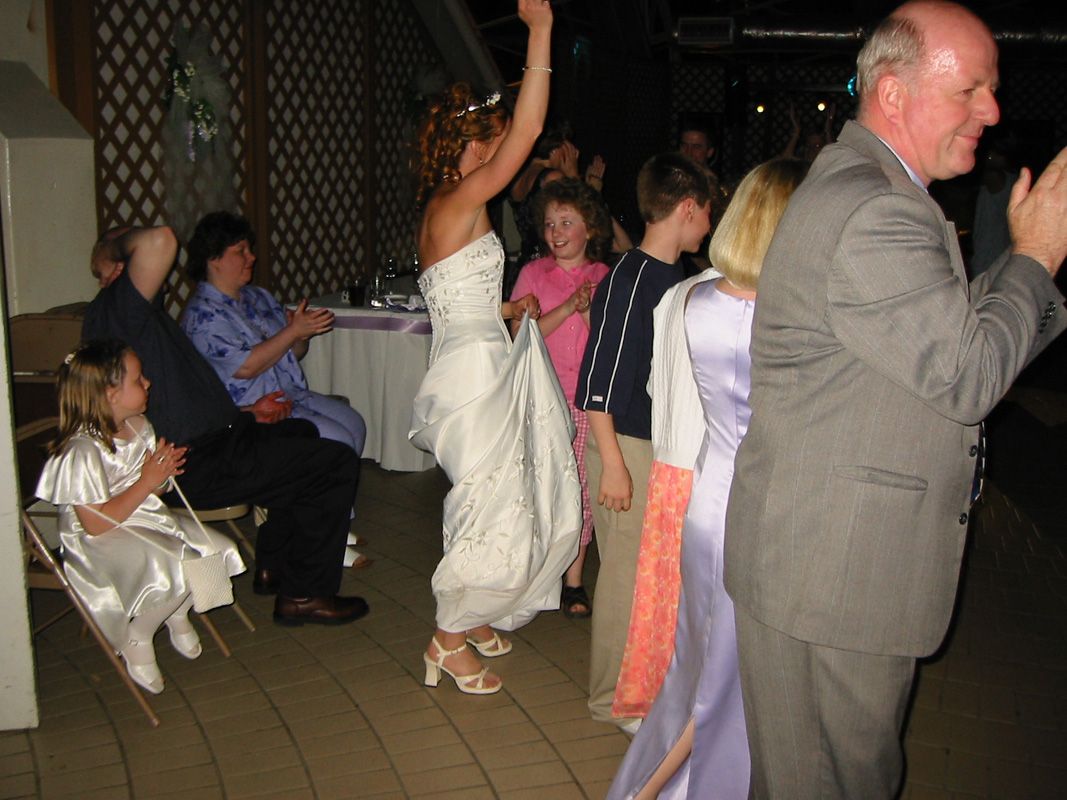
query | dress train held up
(493,414)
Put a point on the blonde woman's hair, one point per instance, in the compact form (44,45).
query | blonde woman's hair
(744,234)
(84,378)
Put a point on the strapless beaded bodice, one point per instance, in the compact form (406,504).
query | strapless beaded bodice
(462,295)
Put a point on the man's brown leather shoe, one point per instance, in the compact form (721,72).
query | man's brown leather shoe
(332,610)
(267,581)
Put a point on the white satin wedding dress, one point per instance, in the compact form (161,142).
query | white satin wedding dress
(493,414)
(118,575)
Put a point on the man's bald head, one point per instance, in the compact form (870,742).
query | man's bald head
(926,79)
(898,44)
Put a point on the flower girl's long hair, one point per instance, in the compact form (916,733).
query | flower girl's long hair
(84,378)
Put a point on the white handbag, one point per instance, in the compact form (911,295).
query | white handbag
(209,582)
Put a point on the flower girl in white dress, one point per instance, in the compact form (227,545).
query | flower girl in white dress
(105,468)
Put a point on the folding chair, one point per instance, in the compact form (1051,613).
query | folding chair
(44,571)
(40,342)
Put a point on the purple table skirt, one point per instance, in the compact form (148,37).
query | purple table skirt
(415,322)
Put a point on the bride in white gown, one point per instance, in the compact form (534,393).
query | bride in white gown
(490,410)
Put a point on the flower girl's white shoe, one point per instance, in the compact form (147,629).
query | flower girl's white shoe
(141,665)
(183,638)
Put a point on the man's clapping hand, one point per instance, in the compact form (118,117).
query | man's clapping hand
(1037,215)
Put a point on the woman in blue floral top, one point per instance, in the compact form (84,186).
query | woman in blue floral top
(252,342)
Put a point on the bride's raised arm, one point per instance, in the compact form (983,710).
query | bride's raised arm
(467,150)
(486,182)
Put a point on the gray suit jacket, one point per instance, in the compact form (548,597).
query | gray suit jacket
(873,361)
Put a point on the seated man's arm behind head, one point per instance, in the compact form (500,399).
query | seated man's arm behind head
(148,255)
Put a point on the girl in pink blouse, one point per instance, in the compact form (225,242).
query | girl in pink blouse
(577,230)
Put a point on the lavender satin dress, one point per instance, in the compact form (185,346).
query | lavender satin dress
(702,681)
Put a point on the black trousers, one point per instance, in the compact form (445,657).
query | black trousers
(307,484)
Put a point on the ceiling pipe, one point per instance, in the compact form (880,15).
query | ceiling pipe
(809,36)
(797,37)
(1042,37)
(853,36)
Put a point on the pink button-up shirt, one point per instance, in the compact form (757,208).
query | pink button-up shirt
(553,285)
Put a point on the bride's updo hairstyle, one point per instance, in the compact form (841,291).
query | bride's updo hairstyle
(457,117)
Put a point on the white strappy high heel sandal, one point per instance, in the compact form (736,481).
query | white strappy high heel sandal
(468,684)
(491,648)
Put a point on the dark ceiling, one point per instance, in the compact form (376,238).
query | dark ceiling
(761,29)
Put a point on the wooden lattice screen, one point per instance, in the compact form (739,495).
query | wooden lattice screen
(1033,91)
(321,107)
(131,42)
(317,54)
(398,58)
(746,137)
(340,202)
(317,125)
(698,92)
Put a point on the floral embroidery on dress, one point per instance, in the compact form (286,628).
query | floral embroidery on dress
(492,412)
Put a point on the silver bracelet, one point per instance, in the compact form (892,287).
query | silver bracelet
(543,69)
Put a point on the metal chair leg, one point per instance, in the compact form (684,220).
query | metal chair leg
(242,539)
(42,554)
(207,623)
(240,612)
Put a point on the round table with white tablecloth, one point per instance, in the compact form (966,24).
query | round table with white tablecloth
(376,358)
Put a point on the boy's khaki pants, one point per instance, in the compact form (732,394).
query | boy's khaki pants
(618,538)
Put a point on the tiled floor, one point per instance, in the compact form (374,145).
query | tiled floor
(342,713)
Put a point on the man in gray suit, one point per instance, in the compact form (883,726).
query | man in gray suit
(874,361)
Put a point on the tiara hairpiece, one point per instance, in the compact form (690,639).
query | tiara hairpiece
(491,100)
(70,357)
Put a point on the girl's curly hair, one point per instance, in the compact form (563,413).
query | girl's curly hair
(584,199)
(457,117)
